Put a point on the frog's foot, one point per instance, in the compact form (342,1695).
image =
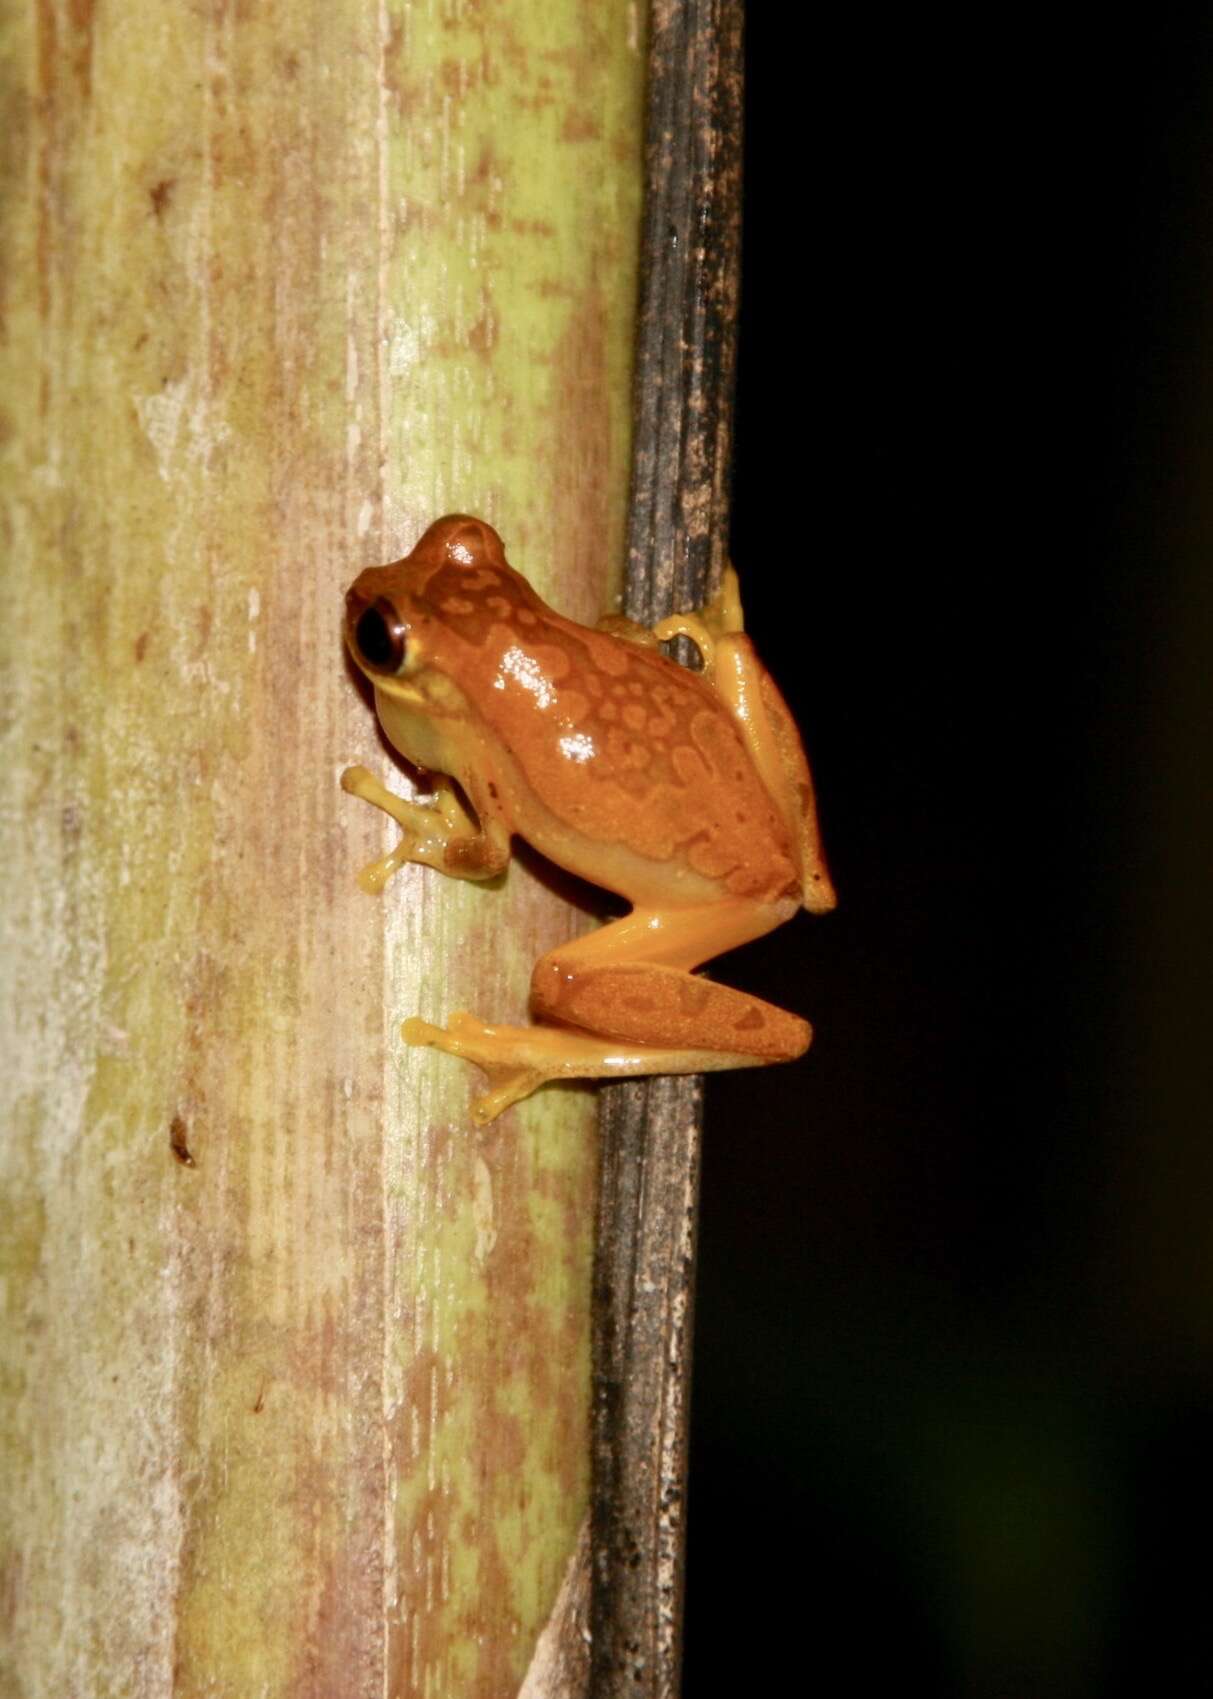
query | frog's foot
(514,1069)
(519,1059)
(722,617)
(439,834)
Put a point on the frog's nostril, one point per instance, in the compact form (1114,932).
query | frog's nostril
(380,637)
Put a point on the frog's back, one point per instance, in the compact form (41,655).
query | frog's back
(626,767)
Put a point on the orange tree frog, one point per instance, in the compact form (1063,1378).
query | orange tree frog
(686,793)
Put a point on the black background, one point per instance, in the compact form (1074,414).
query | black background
(954,1338)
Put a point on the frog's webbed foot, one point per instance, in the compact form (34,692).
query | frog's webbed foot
(514,1063)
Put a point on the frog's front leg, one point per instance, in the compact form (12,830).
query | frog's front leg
(441,834)
(622,1001)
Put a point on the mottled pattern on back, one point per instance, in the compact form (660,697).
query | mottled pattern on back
(620,743)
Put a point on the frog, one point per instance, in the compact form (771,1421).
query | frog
(683,791)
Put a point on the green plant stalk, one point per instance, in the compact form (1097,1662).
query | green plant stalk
(294,1364)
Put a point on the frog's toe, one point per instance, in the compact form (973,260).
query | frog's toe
(417,1031)
(463,1035)
(512,1087)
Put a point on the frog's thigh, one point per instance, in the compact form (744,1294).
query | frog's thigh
(629,982)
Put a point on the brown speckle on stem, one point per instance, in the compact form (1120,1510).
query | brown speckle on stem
(178,1138)
(160,194)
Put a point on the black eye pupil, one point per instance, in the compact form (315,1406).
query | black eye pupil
(380,637)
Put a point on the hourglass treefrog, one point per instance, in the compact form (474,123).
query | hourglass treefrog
(686,793)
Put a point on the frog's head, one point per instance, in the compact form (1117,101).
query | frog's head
(387,612)
(406,628)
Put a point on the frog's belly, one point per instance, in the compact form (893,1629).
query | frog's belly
(616,867)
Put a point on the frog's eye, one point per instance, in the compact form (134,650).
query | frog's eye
(380,637)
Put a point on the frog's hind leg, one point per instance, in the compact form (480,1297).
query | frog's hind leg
(519,1059)
(623,1002)
(630,982)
